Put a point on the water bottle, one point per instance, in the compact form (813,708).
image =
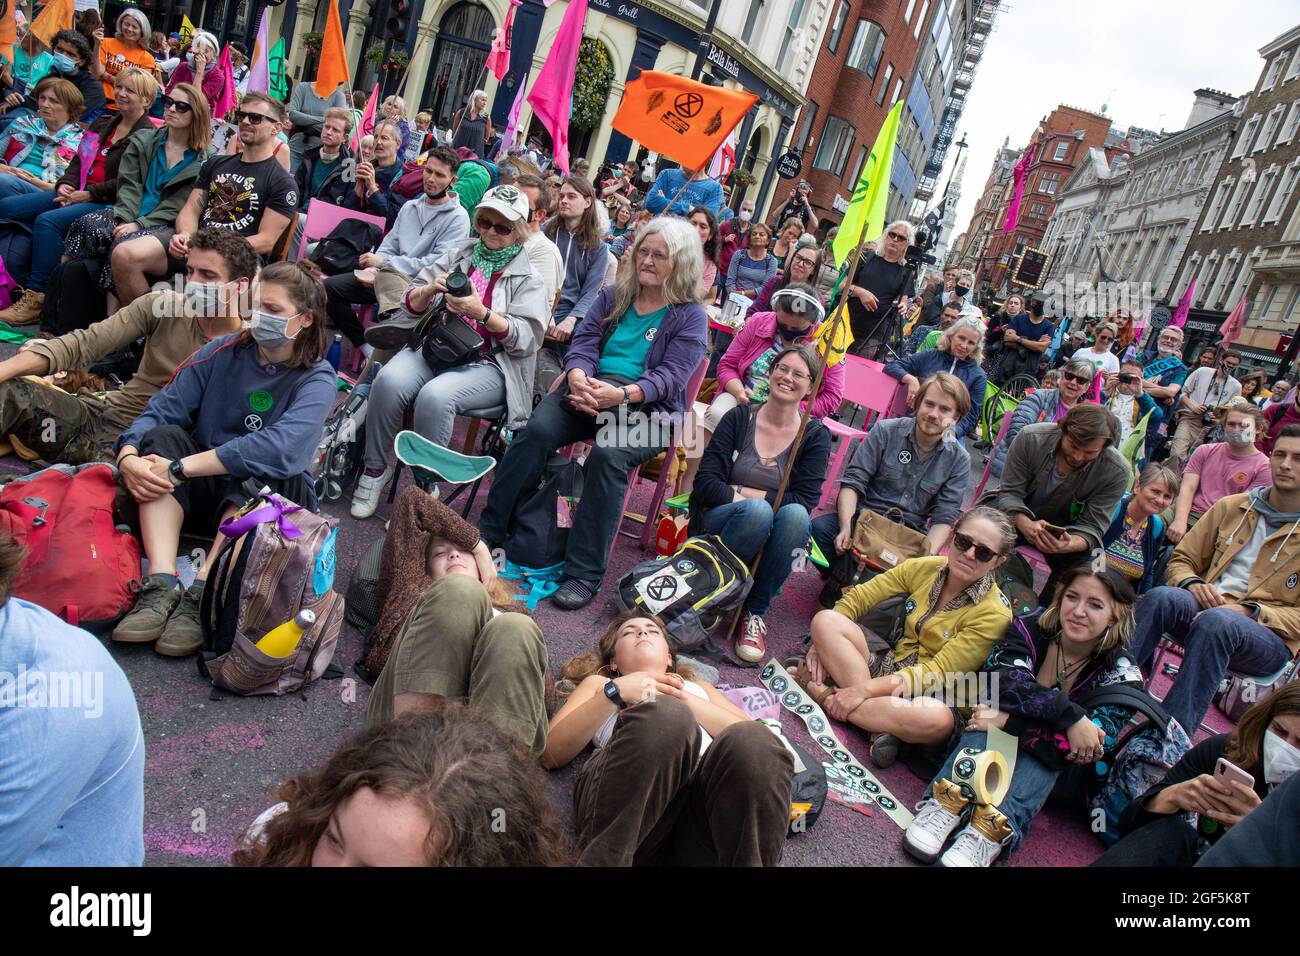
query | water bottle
(335,355)
(281,641)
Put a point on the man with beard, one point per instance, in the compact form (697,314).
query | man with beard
(424,228)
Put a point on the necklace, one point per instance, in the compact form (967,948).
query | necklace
(1065,670)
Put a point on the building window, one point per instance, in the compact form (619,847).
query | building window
(1288,317)
(920,20)
(791,28)
(1048,183)
(1292,123)
(1270,127)
(868,45)
(884,84)
(805,126)
(1062,148)
(863,152)
(837,26)
(1283,194)
(755,8)
(1234,207)
(898,88)
(833,150)
(1274,68)
(1247,135)
(907,15)
(1266,180)
(1294,70)
(1216,208)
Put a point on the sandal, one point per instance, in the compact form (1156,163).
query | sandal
(818,692)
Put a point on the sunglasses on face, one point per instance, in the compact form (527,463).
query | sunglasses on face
(1077,379)
(964,543)
(483,225)
(255,119)
(897,237)
(180,106)
(1105,338)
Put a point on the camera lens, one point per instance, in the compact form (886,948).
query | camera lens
(458,284)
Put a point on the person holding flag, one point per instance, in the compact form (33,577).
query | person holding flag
(677,191)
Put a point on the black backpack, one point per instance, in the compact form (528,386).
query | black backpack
(339,251)
(539,536)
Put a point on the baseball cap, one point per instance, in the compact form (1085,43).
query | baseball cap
(506,200)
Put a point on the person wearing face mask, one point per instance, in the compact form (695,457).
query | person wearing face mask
(958,352)
(734,235)
(743,370)
(71,56)
(1156,829)
(1137,533)
(1204,390)
(680,775)
(425,228)
(1026,337)
(1045,405)
(1222,468)
(250,405)
(201,67)
(173,327)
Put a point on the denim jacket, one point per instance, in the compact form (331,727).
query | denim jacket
(27,130)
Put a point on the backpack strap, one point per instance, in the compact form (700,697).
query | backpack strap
(1127,696)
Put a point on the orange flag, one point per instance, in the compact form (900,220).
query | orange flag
(56,16)
(685,120)
(8,32)
(333,68)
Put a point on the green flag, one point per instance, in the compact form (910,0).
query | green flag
(871,194)
(275,66)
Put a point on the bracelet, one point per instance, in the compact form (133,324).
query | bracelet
(126,456)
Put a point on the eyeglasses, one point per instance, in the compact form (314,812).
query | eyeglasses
(792,373)
(658,258)
(255,119)
(1077,379)
(804,261)
(483,225)
(897,237)
(180,106)
(964,542)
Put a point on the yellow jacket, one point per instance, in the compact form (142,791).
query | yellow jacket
(945,642)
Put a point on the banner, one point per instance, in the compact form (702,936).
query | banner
(187,31)
(56,16)
(498,59)
(1018,175)
(683,119)
(259,67)
(512,123)
(367,124)
(279,85)
(1184,304)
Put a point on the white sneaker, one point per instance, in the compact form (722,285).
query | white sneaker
(929,831)
(365,500)
(751,646)
(971,849)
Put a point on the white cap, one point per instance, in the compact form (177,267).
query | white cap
(508,201)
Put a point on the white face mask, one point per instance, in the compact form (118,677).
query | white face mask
(744,215)
(1280,758)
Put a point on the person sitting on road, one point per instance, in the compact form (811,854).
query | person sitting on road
(924,337)
(680,775)
(1099,355)
(1044,405)
(752,266)
(73,791)
(372,190)
(577,233)
(250,405)
(415,791)
(958,352)
(1124,395)
(1280,414)
(1221,469)
(631,357)
(506,304)
(868,670)
(220,266)
(1136,536)
(1044,670)
(1231,598)
(1155,829)
(913,470)
(740,472)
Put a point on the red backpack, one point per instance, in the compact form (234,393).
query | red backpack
(79,564)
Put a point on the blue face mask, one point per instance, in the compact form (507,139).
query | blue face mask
(63,63)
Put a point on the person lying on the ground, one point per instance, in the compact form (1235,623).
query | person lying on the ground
(251,405)
(426,789)
(74,429)
(681,775)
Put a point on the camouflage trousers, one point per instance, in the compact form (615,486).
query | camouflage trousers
(55,425)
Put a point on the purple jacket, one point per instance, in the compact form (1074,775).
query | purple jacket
(675,353)
(755,338)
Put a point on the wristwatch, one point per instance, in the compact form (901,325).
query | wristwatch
(177,472)
(613,696)
(626,397)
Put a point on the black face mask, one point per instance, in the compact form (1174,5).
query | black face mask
(962,290)
(788,333)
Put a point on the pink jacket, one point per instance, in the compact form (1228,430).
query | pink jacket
(755,338)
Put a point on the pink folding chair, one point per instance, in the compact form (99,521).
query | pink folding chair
(322,217)
(873,390)
(988,465)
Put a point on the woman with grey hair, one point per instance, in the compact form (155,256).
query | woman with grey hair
(958,353)
(1045,405)
(127,47)
(624,380)
(473,126)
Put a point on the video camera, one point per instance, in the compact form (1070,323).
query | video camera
(919,251)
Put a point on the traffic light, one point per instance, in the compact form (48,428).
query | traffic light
(399,20)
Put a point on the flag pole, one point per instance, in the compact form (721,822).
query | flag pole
(841,311)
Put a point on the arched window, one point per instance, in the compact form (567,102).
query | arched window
(464,38)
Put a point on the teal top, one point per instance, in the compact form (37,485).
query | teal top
(625,353)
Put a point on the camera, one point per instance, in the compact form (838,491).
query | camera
(458,284)
(919,251)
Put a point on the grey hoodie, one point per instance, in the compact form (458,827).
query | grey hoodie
(422,232)
(1236,576)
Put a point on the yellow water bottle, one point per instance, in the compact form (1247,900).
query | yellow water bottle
(281,641)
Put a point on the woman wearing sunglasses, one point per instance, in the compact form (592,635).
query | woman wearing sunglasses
(894,656)
(1099,353)
(506,306)
(1046,673)
(1045,405)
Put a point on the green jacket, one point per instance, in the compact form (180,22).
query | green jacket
(1084,503)
(134,170)
(472,181)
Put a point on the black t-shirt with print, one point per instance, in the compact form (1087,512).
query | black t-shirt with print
(886,281)
(236,193)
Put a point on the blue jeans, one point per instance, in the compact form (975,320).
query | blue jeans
(50,223)
(1218,639)
(746,526)
(11,185)
(1031,783)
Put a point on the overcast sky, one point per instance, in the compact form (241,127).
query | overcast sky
(1142,58)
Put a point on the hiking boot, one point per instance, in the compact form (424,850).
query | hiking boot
(751,646)
(392,333)
(884,750)
(982,840)
(183,634)
(26,310)
(365,500)
(935,820)
(154,605)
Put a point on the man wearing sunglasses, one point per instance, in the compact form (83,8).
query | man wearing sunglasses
(249,193)
(1203,391)
(1100,354)
(880,290)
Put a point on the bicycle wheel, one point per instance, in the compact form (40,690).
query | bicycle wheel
(1018,385)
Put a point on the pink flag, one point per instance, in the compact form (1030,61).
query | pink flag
(228,98)
(1180,313)
(512,123)
(367,124)
(1019,174)
(498,58)
(724,160)
(259,70)
(86,153)
(1234,323)
(552,94)
(1094,394)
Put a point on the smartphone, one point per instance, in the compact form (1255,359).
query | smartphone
(1057,532)
(1226,771)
